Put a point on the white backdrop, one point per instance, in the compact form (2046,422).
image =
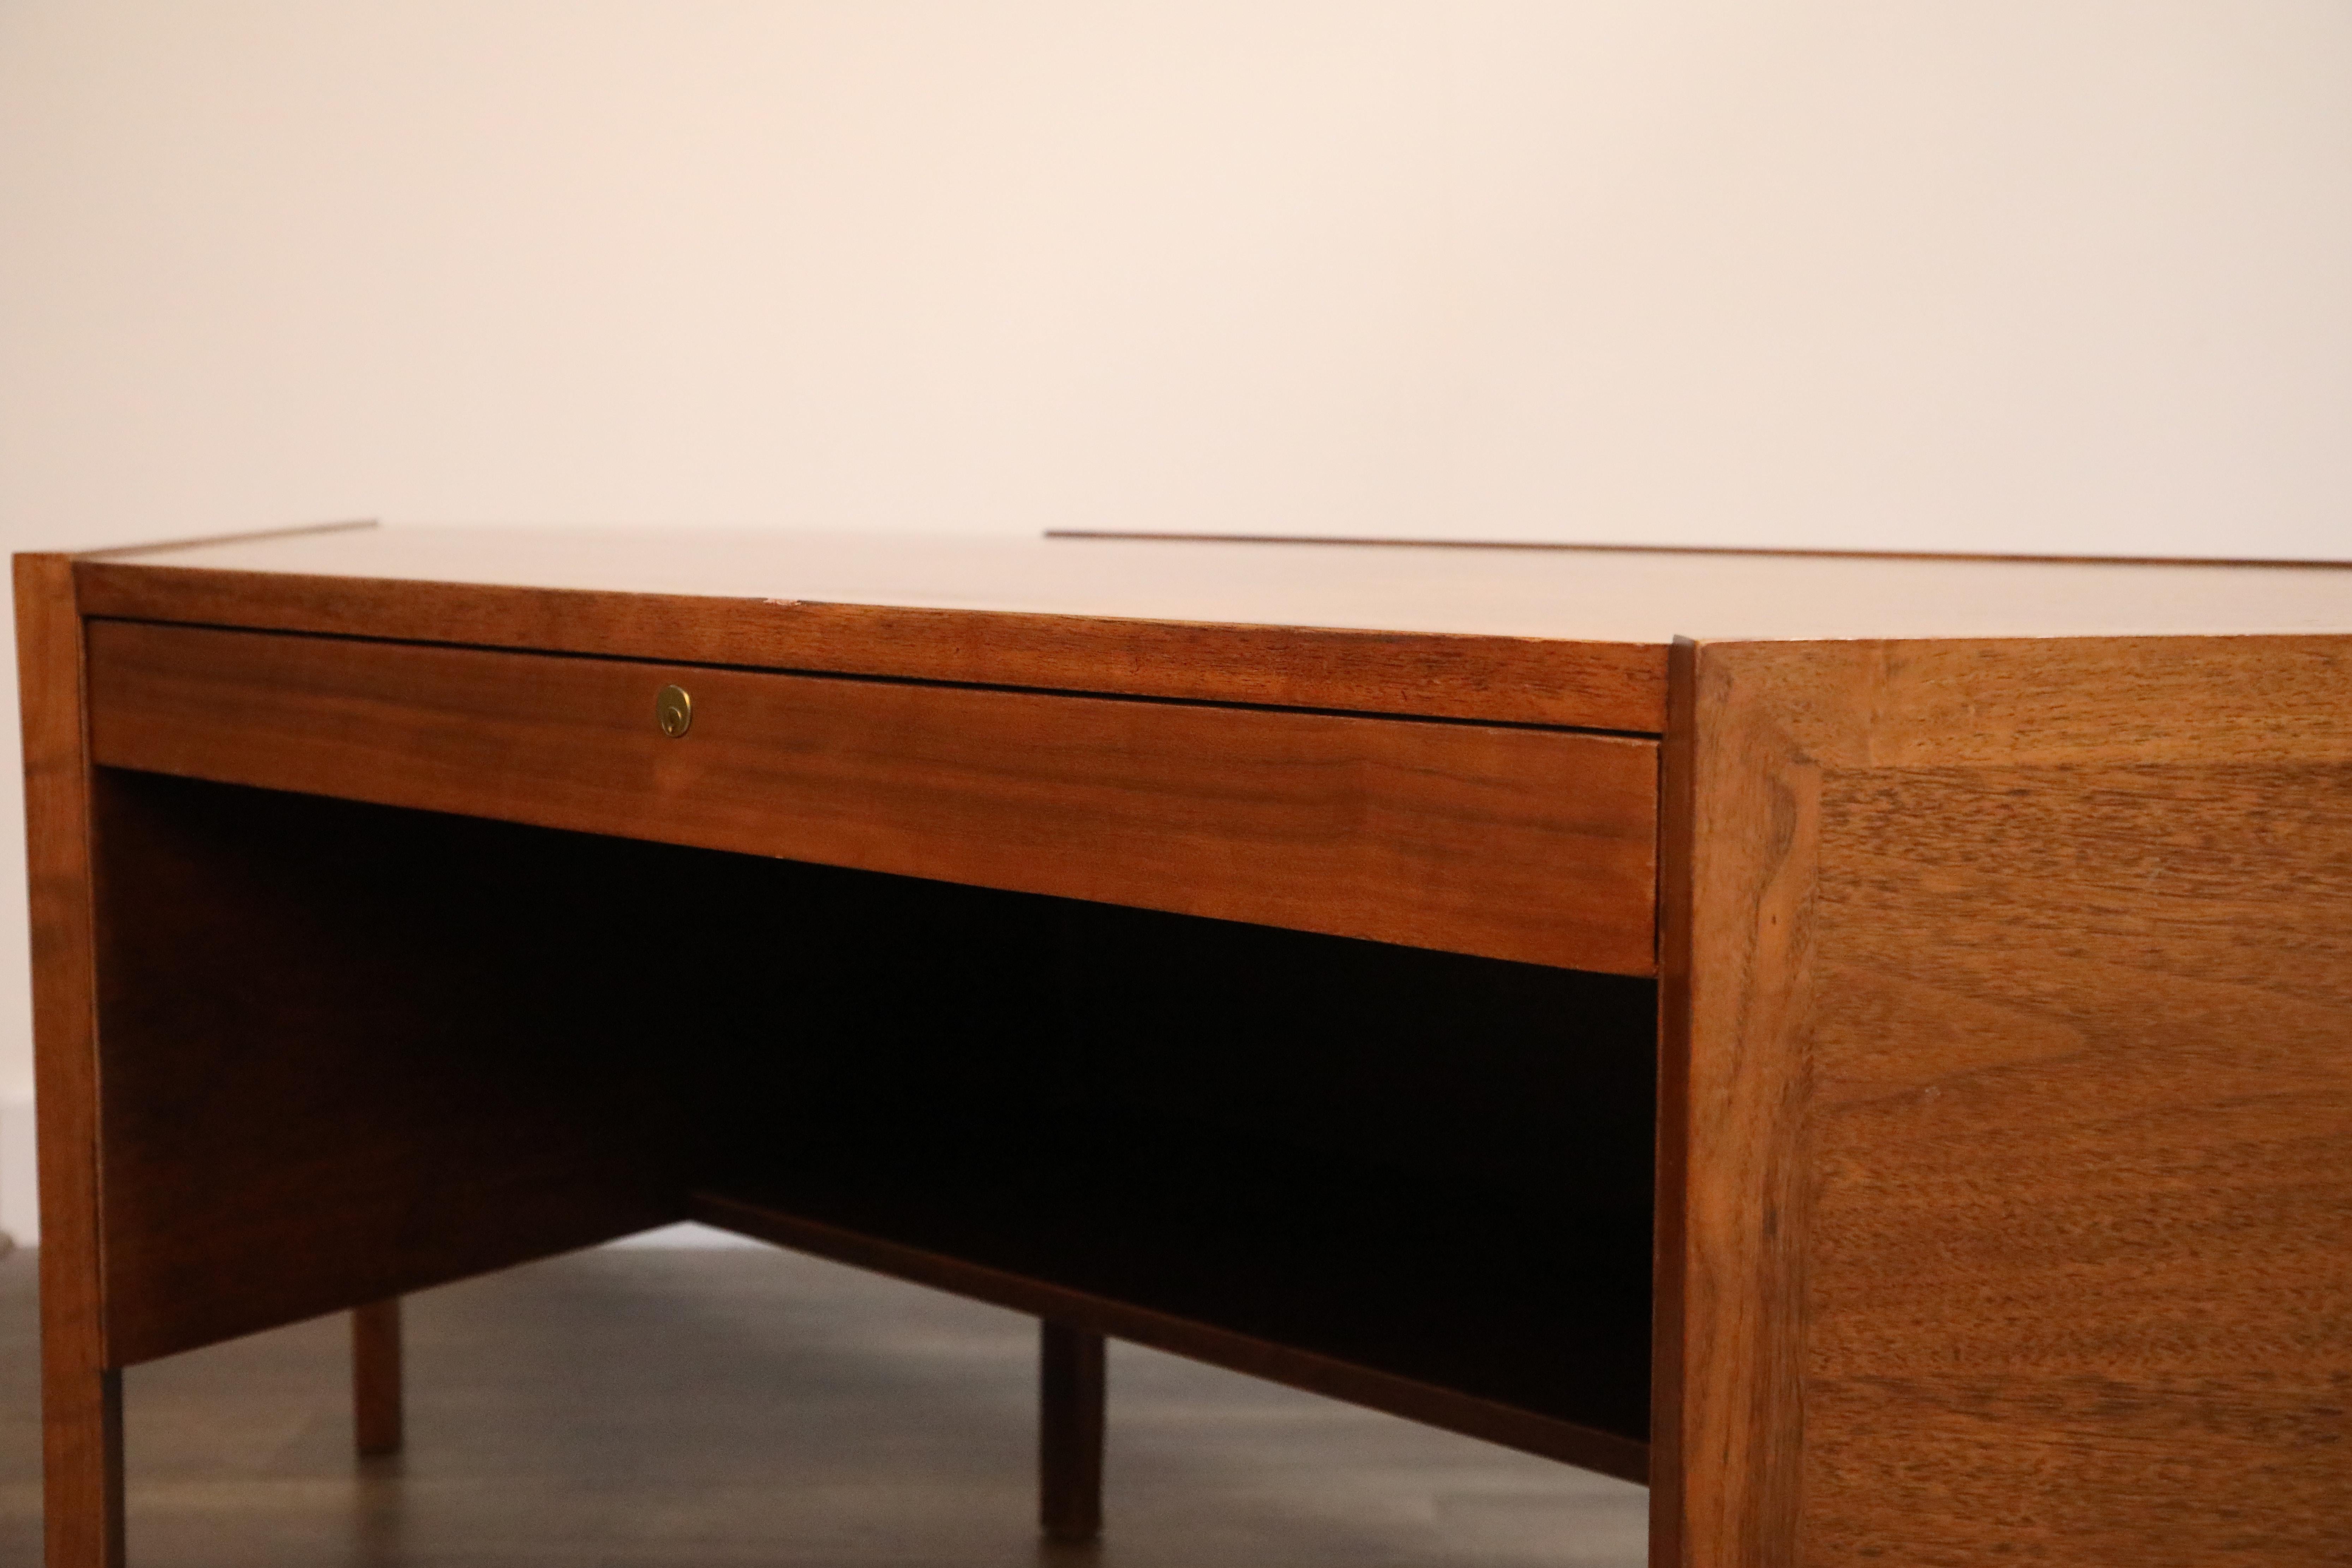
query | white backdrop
(1973,274)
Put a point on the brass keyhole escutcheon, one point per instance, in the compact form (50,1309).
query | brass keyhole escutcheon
(674,711)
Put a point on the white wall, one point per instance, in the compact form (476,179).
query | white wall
(1977,274)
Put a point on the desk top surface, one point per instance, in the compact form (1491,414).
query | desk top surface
(1586,596)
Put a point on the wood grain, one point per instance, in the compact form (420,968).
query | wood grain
(2018,1115)
(379,1422)
(1523,844)
(1589,683)
(1622,608)
(1741,823)
(2004,1153)
(1070,1393)
(1670,1266)
(2083,1215)
(81,1399)
(1548,636)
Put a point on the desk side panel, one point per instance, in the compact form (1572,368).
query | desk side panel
(2080,1240)
(1531,845)
(2042,1037)
(350,1052)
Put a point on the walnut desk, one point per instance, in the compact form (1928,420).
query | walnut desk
(1863,1044)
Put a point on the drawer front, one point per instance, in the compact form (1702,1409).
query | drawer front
(1535,844)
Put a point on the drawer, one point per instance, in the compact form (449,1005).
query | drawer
(1518,843)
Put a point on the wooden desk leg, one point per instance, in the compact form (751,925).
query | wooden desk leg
(1069,1432)
(376,1401)
(82,1397)
(81,1431)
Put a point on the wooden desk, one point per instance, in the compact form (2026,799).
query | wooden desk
(1881,1071)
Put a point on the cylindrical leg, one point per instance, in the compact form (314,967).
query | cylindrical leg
(81,1462)
(1069,1432)
(375,1376)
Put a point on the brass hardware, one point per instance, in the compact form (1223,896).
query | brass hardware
(674,711)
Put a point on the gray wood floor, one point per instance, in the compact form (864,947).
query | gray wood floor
(635,1408)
